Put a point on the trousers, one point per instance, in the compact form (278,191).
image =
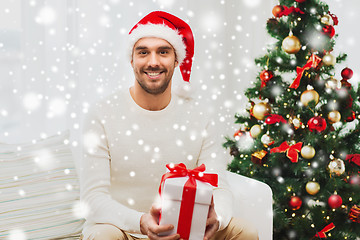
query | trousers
(237,229)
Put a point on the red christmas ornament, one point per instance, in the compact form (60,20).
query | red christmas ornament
(277,10)
(300,1)
(329,31)
(347,73)
(335,201)
(266,75)
(295,202)
(317,124)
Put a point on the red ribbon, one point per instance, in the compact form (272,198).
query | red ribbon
(353,158)
(274,118)
(322,234)
(291,151)
(189,192)
(287,11)
(238,133)
(313,62)
(334,18)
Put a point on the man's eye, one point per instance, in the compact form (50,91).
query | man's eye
(142,52)
(163,52)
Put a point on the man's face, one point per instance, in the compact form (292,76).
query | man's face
(153,61)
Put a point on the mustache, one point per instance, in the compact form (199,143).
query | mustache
(152,69)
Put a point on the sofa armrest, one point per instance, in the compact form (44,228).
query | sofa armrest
(252,202)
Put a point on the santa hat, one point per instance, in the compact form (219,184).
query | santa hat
(170,28)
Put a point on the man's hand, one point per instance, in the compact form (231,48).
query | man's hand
(212,223)
(149,225)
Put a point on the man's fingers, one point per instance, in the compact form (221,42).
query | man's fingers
(155,211)
(211,221)
(210,231)
(161,228)
(154,236)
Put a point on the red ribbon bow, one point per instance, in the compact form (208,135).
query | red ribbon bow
(334,18)
(322,234)
(287,11)
(274,118)
(291,151)
(189,192)
(353,158)
(313,62)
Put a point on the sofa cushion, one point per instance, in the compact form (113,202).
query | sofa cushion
(39,190)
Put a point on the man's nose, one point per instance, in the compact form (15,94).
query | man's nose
(153,60)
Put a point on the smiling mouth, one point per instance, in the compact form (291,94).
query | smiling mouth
(153,75)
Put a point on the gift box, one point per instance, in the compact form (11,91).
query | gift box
(185,199)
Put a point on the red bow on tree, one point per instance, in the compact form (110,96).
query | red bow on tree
(313,62)
(334,18)
(287,11)
(292,152)
(274,118)
(353,158)
(322,234)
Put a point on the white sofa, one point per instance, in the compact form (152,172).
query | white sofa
(39,193)
(253,201)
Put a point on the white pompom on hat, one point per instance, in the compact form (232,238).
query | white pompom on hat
(170,28)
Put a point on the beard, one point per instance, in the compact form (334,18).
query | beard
(158,90)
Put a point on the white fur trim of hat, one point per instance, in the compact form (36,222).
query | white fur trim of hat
(159,31)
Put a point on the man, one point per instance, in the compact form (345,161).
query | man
(130,137)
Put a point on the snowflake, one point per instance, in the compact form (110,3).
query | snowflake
(252,3)
(32,101)
(46,16)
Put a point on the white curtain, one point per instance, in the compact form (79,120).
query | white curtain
(58,57)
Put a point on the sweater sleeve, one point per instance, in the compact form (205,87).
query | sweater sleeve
(95,179)
(213,156)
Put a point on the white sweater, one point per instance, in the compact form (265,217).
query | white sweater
(126,149)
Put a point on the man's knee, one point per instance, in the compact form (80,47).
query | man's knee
(240,229)
(104,232)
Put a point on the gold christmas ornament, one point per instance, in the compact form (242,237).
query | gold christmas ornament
(337,167)
(333,83)
(326,19)
(261,110)
(307,152)
(334,116)
(296,122)
(308,96)
(329,60)
(312,187)
(255,131)
(291,44)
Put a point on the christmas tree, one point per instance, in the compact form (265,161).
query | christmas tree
(302,134)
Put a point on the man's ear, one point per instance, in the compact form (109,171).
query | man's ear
(176,63)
